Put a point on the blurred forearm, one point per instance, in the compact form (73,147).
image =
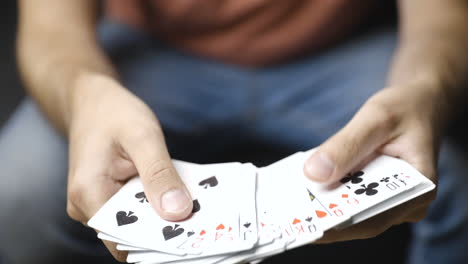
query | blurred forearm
(56,46)
(433,38)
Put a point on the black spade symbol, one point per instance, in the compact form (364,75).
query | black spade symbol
(308,219)
(125,219)
(191,233)
(211,181)
(141,196)
(196,206)
(171,232)
(247,225)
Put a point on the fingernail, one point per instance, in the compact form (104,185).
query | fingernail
(175,201)
(319,167)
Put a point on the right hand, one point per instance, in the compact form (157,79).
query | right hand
(114,136)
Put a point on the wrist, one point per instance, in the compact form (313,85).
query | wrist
(434,87)
(429,98)
(87,90)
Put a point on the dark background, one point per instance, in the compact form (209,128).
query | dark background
(10,88)
(364,251)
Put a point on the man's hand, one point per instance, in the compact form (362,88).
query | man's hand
(427,84)
(114,136)
(400,121)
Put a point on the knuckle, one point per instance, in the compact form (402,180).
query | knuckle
(73,213)
(75,194)
(141,135)
(385,114)
(74,200)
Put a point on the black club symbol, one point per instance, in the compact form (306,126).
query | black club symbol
(353,177)
(368,190)
(385,179)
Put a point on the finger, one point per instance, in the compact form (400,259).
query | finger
(417,148)
(165,190)
(85,198)
(89,186)
(117,254)
(371,127)
(417,214)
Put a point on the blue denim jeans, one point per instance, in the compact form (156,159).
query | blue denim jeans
(207,108)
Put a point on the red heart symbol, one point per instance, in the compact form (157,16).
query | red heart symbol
(221,226)
(229,229)
(202,232)
(344,196)
(295,221)
(332,205)
(263,224)
(320,214)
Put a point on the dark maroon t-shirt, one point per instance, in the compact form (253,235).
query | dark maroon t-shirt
(245,32)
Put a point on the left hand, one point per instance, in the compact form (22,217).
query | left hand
(401,121)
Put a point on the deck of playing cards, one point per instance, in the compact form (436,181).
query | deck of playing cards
(242,213)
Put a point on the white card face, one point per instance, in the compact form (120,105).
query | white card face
(268,228)
(223,238)
(241,233)
(294,209)
(248,216)
(307,212)
(129,217)
(380,180)
(126,220)
(425,186)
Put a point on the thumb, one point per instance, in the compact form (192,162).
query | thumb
(162,185)
(367,131)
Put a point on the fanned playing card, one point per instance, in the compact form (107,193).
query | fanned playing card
(129,217)
(243,213)
(382,184)
(225,238)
